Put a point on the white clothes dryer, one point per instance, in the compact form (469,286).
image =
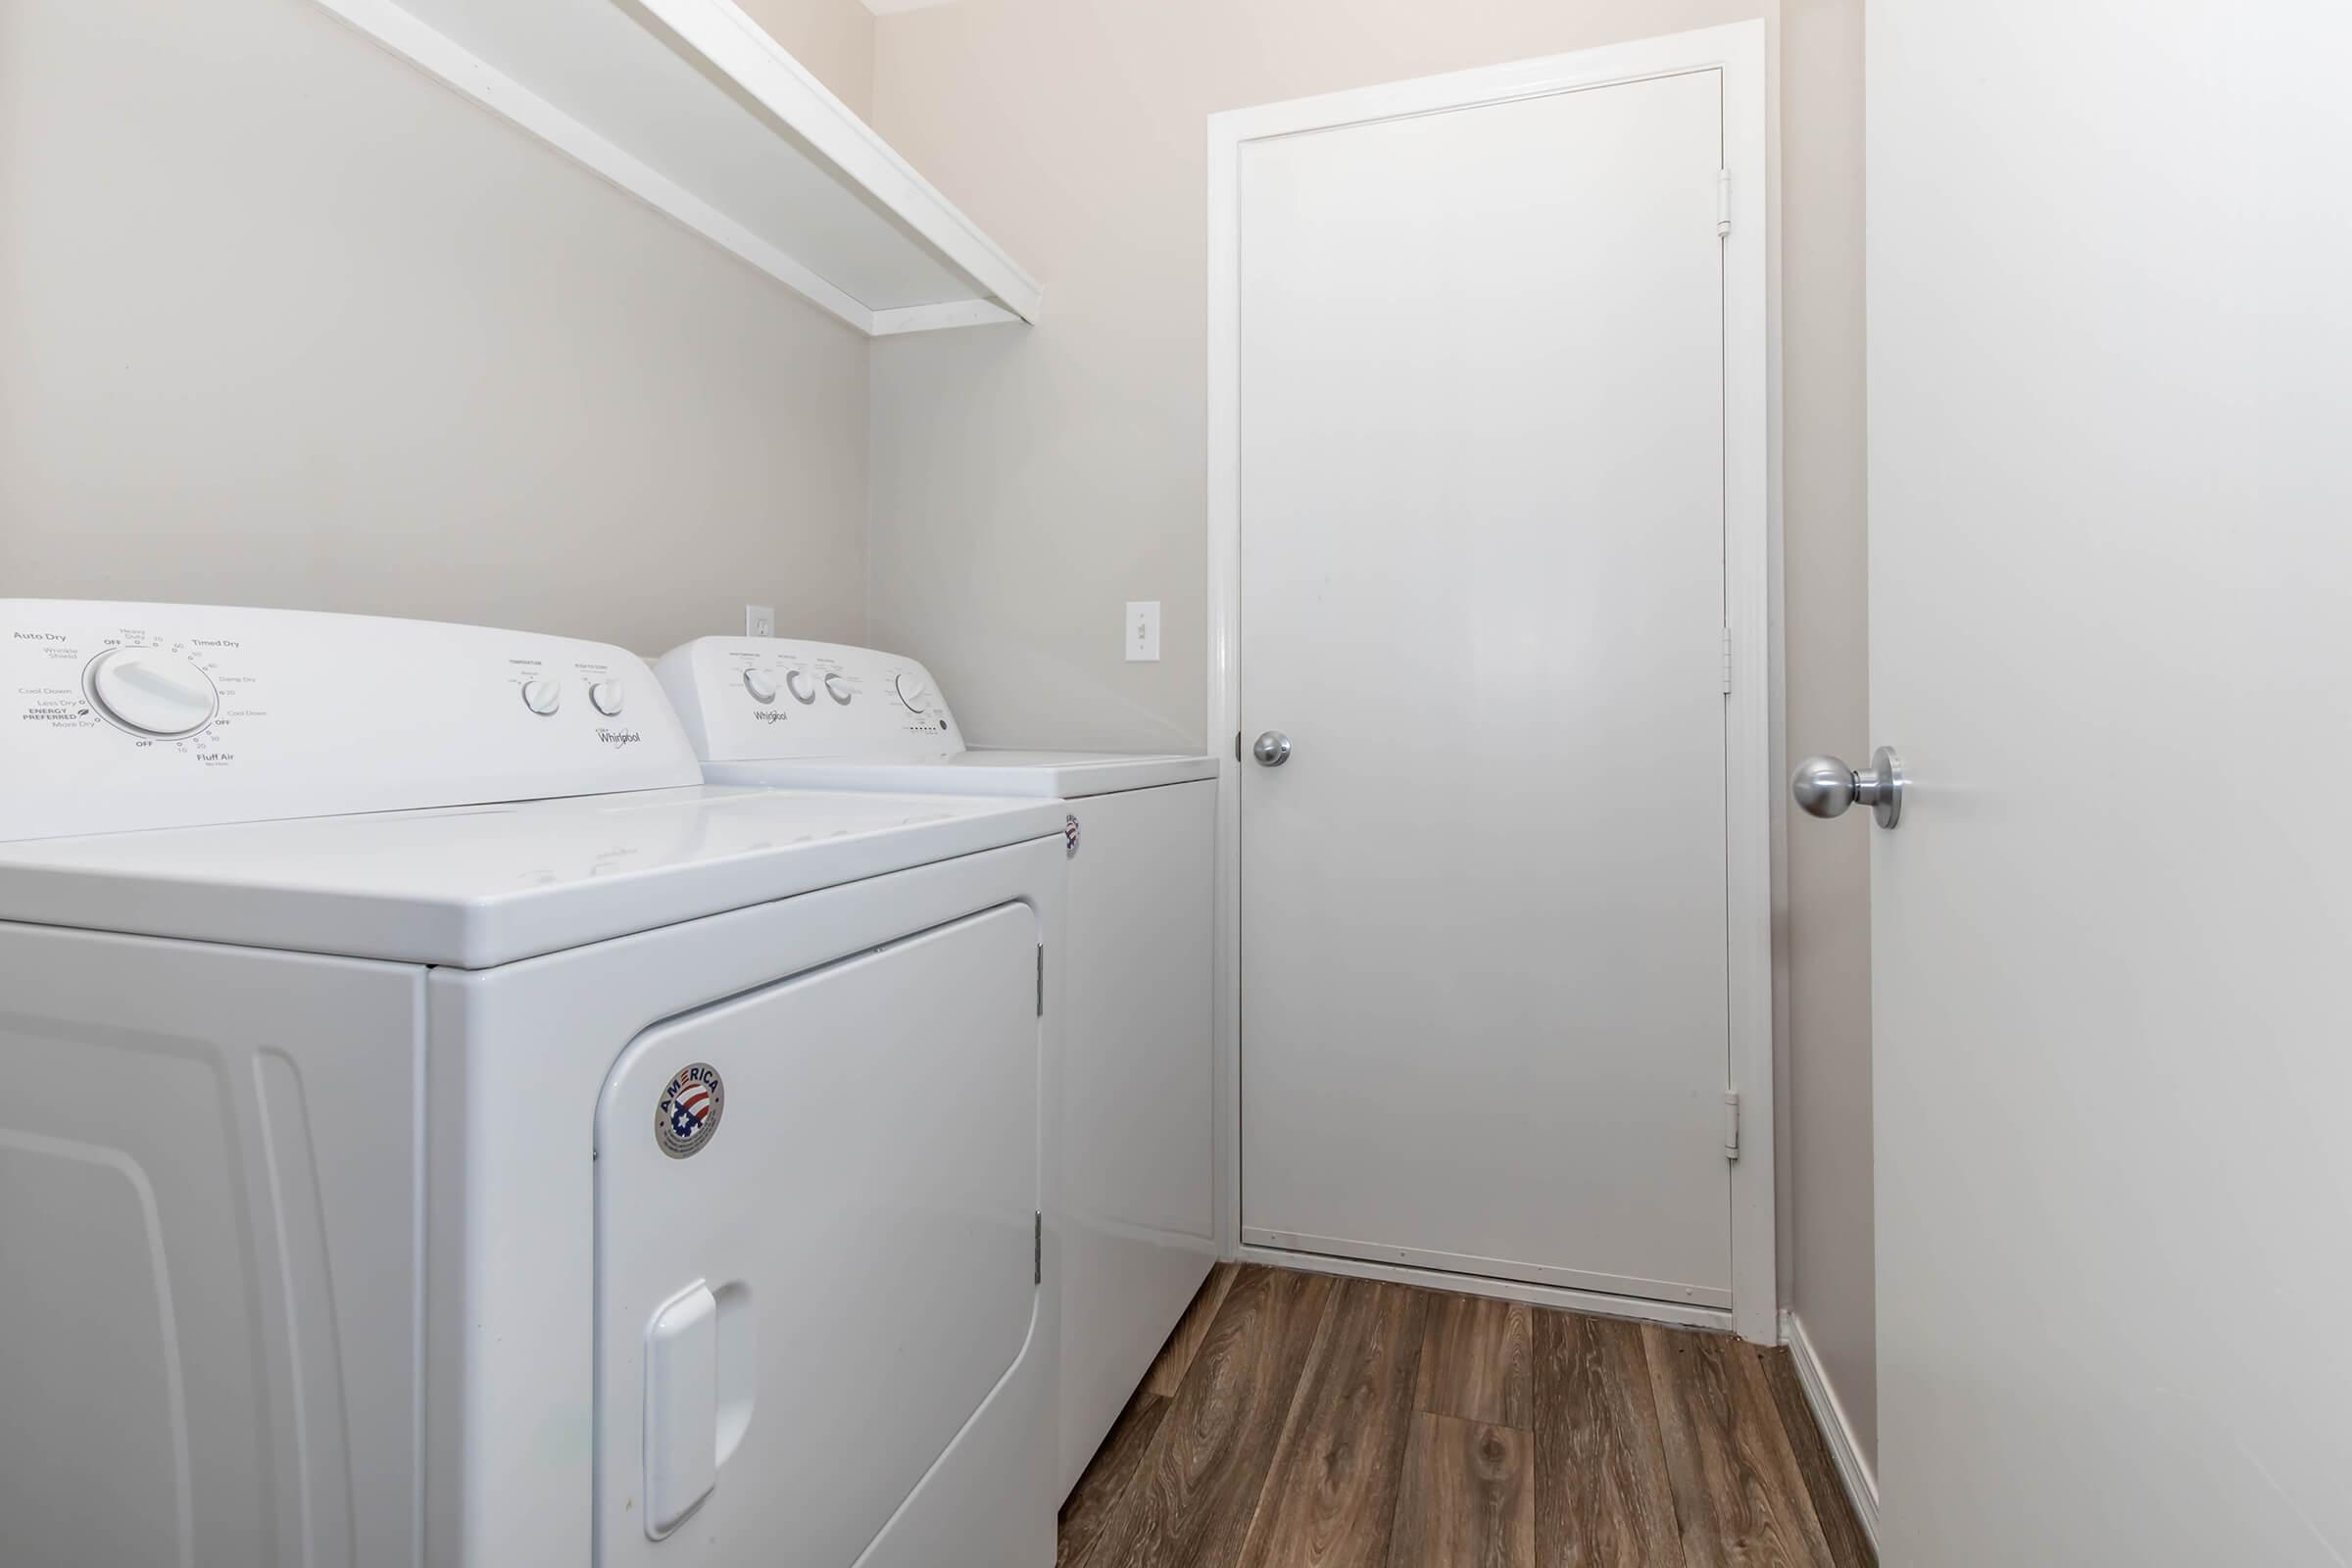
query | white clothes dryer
(1139,1122)
(447,1132)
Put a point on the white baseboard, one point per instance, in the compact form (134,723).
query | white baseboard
(1676,1314)
(1861,1483)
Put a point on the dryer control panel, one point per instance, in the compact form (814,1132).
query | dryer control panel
(118,717)
(758,698)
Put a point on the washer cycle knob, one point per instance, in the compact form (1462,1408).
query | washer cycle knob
(148,691)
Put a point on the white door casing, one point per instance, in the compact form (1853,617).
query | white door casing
(1395,723)
(2110,546)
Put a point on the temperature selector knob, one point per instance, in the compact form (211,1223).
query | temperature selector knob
(913,692)
(836,689)
(803,689)
(148,691)
(761,685)
(542,697)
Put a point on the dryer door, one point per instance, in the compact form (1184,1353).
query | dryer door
(815,1248)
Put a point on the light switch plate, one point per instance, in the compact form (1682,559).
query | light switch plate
(759,621)
(1143,632)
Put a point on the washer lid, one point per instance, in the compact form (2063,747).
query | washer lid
(476,886)
(1051,775)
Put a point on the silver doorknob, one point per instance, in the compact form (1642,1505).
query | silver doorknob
(1824,786)
(1273,749)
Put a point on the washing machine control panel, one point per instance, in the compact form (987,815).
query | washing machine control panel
(748,699)
(119,717)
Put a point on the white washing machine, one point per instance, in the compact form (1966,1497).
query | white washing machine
(1138,1126)
(448,1133)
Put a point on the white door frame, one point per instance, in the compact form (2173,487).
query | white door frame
(1751,577)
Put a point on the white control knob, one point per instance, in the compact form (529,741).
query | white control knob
(836,689)
(542,697)
(761,685)
(913,692)
(606,695)
(803,689)
(150,692)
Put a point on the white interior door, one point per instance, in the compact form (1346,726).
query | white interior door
(1483,904)
(2111,548)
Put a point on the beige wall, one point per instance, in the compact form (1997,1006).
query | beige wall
(1027,483)
(1833,1288)
(833,39)
(284,321)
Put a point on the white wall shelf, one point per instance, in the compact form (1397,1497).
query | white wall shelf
(688,104)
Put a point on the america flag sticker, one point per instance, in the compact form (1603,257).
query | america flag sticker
(687,1116)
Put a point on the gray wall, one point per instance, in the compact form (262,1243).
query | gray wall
(1027,483)
(284,321)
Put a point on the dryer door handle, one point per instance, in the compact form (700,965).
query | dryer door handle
(681,1407)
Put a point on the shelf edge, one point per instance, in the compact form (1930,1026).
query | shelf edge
(721,33)
(932,318)
(838,134)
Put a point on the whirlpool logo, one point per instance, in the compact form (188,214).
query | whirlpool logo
(768,716)
(619,736)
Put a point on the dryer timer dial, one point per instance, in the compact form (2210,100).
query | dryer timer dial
(151,692)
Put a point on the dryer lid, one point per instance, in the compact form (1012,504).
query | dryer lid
(478,886)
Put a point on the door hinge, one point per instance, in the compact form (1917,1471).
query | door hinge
(1040,979)
(1726,661)
(1723,201)
(1730,1124)
(1037,1248)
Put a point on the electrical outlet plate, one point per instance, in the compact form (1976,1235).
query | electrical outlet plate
(1143,632)
(759,621)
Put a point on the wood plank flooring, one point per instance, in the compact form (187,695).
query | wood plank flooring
(1308,1421)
